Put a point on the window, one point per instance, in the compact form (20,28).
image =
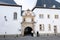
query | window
(49,27)
(41,27)
(55,28)
(44,5)
(56,16)
(41,15)
(5,18)
(48,16)
(15,16)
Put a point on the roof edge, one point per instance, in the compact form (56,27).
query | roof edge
(44,8)
(11,5)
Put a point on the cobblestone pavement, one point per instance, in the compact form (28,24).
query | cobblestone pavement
(31,38)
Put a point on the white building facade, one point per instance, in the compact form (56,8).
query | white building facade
(39,20)
(10,19)
(47,20)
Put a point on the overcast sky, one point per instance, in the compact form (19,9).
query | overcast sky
(27,4)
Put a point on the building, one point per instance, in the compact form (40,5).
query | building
(47,20)
(42,19)
(10,15)
(28,22)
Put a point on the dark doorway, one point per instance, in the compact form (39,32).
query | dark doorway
(28,32)
(55,29)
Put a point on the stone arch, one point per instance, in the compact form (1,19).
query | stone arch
(28,31)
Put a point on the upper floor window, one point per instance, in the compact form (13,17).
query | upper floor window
(15,16)
(48,16)
(41,15)
(41,27)
(56,16)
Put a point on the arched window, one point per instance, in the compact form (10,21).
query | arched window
(15,16)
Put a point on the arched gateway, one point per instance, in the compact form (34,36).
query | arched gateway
(27,23)
(28,31)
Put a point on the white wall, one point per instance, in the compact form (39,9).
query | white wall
(47,21)
(10,26)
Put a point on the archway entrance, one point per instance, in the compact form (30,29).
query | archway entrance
(27,31)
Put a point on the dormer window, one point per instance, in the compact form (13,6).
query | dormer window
(53,6)
(44,5)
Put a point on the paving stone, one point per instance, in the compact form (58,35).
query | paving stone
(31,38)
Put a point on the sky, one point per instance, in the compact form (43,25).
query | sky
(27,4)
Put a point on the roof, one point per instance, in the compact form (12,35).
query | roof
(7,2)
(45,8)
(3,2)
(49,3)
